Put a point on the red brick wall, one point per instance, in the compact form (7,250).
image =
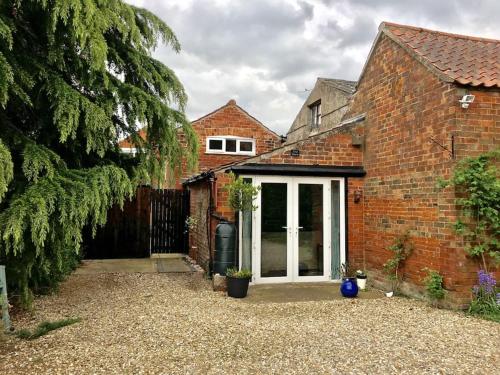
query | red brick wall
(325,149)
(406,105)
(230,120)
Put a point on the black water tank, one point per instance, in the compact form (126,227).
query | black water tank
(225,245)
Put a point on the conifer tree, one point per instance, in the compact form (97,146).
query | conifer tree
(76,76)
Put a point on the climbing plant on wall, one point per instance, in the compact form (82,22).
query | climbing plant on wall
(477,184)
(76,76)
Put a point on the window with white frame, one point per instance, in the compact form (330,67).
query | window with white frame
(230,145)
(129,150)
(315,114)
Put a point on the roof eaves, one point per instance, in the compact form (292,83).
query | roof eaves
(384,30)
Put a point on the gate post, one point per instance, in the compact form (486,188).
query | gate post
(4,302)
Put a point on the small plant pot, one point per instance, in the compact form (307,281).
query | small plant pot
(361,281)
(237,287)
(349,288)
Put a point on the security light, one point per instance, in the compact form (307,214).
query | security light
(466,100)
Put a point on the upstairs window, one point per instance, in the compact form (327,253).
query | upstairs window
(230,145)
(315,109)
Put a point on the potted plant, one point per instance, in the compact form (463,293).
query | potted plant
(237,282)
(361,279)
(349,287)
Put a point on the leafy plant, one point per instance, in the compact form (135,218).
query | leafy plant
(241,194)
(486,297)
(191,222)
(240,274)
(346,271)
(76,77)
(477,183)
(402,249)
(45,327)
(361,274)
(434,285)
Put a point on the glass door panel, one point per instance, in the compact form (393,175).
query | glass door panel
(274,230)
(310,230)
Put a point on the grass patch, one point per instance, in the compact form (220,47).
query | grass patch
(44,328)
(495,317)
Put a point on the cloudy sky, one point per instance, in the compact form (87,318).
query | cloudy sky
(265,53)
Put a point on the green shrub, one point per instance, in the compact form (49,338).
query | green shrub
(402,249)
(477,182)
(241,274)
(434,285)
(241,194)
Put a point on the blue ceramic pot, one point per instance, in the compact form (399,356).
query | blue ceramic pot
(349,287)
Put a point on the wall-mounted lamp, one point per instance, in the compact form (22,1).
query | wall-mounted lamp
(357,195)
(466,100)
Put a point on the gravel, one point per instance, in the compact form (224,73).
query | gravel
(175,324)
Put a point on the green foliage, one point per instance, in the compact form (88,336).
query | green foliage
(488,310)
(486,297)
(241,274)
(402,249)
(6,169)
(434,285)
(45,327)
(76,77)
(241,194)
(477,183)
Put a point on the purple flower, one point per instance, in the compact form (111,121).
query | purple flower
(487,284)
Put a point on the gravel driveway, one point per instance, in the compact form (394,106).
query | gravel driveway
(174,324)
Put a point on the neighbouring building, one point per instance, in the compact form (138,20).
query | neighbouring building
(225,136)
(343,191)
(323,108)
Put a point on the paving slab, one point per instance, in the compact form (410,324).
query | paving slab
(171,264)
(303,292)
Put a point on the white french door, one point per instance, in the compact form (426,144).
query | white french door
(292,231)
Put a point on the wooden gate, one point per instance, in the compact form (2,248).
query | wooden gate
(169,211)
(152,222)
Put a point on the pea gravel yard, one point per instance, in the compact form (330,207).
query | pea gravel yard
(175,324)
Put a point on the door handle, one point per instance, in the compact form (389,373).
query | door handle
(300,227)
(284,227)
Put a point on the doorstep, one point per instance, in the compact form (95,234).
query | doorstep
(302,292)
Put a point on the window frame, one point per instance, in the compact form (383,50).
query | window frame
(238,140)
(315,114)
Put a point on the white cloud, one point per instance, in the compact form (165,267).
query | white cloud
(264,53)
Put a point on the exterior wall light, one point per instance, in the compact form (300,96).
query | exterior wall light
(466,100)
(357,195)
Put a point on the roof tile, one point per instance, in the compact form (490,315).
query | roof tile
(465,59)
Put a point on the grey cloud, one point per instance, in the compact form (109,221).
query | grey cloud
(263,53)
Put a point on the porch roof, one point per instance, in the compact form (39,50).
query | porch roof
(297,170)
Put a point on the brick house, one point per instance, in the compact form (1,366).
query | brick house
(225,136)
(346,192)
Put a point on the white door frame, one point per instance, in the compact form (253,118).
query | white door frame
(293,231)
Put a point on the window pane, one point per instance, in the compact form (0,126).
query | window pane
(311,230)
(246,146)
(230,145)
(215,144)
(273,262)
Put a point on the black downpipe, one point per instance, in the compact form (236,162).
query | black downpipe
(210,210)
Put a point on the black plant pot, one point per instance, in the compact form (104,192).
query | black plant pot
(237,287)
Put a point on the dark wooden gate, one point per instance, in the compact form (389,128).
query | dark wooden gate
(152,222)
(169,211)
